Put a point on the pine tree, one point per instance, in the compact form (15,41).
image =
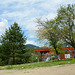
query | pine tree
(12,43)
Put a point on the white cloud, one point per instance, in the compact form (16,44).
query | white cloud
(34,43)
(3,25)
(30,26)
(31,42)
(25,13)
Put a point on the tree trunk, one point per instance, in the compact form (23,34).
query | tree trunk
(13,57)
(73,45)
(13,60)
(58,56)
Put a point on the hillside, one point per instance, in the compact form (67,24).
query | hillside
(31,46)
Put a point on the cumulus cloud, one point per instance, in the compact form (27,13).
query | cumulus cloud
(31,42)
(34,43)
(25,13)
(3,25)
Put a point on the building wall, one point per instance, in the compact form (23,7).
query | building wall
(68,50)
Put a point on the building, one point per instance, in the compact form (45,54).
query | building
(69,52)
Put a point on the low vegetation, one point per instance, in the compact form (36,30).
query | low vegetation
(40,64)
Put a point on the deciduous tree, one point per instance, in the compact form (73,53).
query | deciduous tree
(66,22)
(49,31)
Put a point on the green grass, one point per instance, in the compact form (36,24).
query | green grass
(40,64)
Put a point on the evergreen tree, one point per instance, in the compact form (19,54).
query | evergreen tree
(12,44)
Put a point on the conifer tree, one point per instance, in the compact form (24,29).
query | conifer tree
(13,44)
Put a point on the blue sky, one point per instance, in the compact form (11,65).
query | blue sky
(25,12)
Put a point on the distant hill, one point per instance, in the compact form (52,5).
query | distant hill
(37,47)
(31,46)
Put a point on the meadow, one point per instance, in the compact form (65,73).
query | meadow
(38,64)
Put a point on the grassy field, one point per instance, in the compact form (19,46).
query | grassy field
(40,64)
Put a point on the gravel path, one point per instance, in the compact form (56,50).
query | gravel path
(54,70)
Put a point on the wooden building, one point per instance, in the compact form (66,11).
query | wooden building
(68,51)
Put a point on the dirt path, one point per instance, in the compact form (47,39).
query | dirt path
(55,70)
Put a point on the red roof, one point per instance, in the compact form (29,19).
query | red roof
(48,49)
(69,48)
(45,49)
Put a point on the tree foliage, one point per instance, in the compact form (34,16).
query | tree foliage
(50,31)
(13,44)
(66,22)
(61,28)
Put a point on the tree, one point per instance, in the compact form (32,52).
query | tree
(39,56)
(66,22)
(49,30)
(13,42)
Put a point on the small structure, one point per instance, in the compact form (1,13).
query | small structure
(46,53)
